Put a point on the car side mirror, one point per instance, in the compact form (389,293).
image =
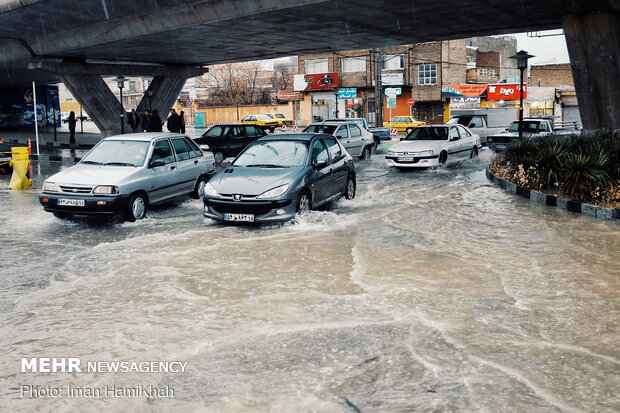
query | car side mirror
(453,139)
(472,125)
(402,139)
(156,163)
(319,165)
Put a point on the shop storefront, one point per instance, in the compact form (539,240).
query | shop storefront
(505,95)
(466,96)
(540,101)
(323,91)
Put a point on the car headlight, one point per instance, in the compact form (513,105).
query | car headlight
(391,153)
(272,193)
(50,187)
(210,191)
(106,190)
(425,153)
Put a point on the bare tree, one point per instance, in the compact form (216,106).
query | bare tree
(238,84)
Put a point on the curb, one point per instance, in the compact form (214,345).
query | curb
(567,205)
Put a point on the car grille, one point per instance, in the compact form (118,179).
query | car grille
(76,189)
(255,208)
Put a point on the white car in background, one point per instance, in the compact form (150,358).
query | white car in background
(357,141)
(433,145)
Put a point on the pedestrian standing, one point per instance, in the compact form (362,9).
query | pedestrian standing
(156,122)
(134,121)
(182,116)
(174,122)
(72,122)
(145,122)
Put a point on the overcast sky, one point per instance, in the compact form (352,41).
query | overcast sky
(545,49)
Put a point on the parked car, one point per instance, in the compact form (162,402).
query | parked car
(279,176)
(282,120)
(532,128)
(228,140)
(427,146)
(261,120)
(484,121)
(5,158)
(125,174)
(379,133)
(357,141)
(403,123)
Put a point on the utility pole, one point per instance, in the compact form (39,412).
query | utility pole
(378,88)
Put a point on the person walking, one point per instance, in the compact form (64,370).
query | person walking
(134,121)
(145,122)
(72,122)
(156,122)
(182,116)
(174,122)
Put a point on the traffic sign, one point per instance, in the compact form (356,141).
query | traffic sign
(391,102)
(190,103)
(411,102)
(393,91)
(347,93)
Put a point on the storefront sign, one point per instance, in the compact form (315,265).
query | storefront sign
(347,93)
(465,99)
(505,91)
(290,96)
(389,79)
(319,81)
(469,90)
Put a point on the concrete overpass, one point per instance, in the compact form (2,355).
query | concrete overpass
(67,40)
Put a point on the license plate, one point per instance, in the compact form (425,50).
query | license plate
(239,217)
(406,159)
(71,202)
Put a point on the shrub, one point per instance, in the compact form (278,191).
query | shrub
(583,172)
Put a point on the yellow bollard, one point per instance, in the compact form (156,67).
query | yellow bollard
(20,164)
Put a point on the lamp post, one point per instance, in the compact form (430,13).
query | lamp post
(120,80)
(53,95)
(521,57)
(150,93)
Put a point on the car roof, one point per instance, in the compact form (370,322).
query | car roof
(143,136)
(234,124)
(329,122)
(302,136)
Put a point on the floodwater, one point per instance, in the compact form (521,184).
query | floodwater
(430,291)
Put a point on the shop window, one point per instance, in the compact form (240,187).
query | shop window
(427,74)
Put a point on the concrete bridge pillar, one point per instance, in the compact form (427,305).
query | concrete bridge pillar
(165,90)
(593,41)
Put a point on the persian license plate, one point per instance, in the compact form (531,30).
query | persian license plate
(405,159)
(71,202)
(239,217)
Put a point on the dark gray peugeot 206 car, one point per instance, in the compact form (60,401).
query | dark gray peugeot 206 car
(279,176)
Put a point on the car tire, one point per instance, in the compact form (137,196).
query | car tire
(349,189)
(304,203)
(219,157)
(272,130)
(136,207)
(199,189)
(377,143)
(443,158)
(366,153)
(474,152)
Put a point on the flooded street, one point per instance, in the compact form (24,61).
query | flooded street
(430,291)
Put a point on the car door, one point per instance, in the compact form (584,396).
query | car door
(162,178)
(357,140)
(252,132)
(322,172)
(186,167)
(339,165)
(342,134)
(454,143)
(237,140)
(467,139)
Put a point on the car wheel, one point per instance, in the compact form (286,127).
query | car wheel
(136,207)
(199,190)
(443,158)
(349,191)
(303,203)
(366,153)
(272,130)
(474,152)
(377,143)
(219,157)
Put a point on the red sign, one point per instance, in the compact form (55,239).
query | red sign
(290,96)
(505,91)
(321,81)
(411,102)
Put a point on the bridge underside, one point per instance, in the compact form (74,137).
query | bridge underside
(199,32)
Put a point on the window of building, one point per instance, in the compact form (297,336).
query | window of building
(392,61)
(492,72)
(317,66)
(471,62)
(132,85)
(483,72)
(353,64)
(427,74)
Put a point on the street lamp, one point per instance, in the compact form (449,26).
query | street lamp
(120,80)
(53,95)
(150,93)
(521,57)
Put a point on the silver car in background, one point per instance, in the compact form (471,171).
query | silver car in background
(356,140)
(124,174)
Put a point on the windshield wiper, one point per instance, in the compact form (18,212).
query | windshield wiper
(265,165)
(119,164)
(93,162)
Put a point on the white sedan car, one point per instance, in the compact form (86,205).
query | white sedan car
(433,145)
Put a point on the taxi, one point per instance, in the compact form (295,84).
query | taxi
(404,123)
(261,120)
(282,120)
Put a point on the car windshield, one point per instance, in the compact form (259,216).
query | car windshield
(279,115)
(263,117)
(216,131)
(461,120)
(528,127)
(428,134)
(118,153)
(329,129)
(273,154)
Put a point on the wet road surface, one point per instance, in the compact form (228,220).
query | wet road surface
(430,291)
